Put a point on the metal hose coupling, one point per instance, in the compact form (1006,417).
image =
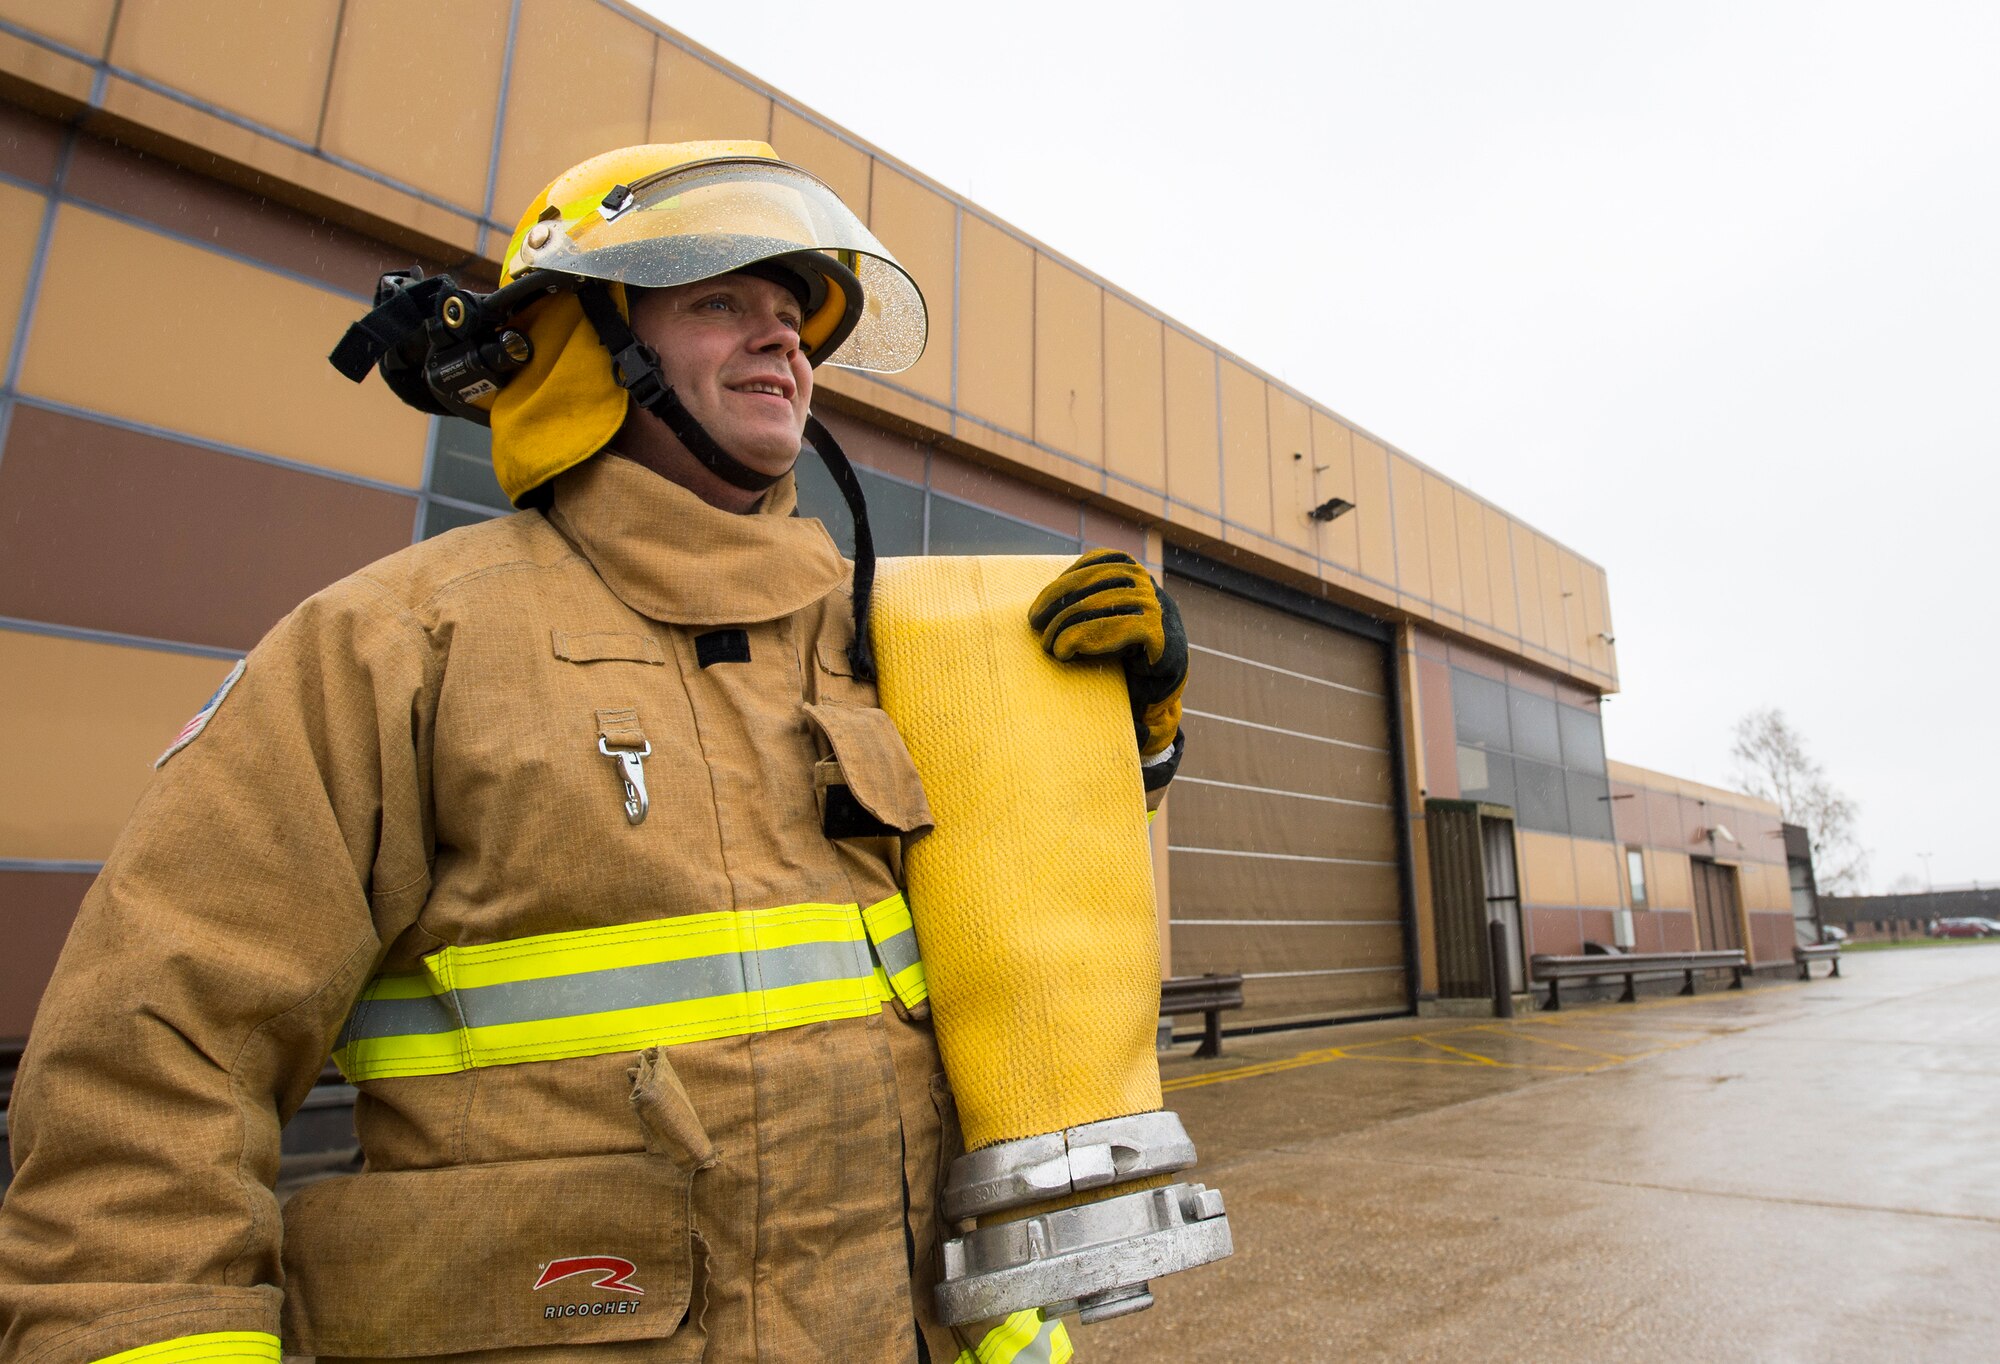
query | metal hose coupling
(1096,1259)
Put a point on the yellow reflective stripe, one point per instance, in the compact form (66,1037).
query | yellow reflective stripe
(802,964)
(910,985)
(887,922)
(643,944)
(702,1020)
(258,1345)
(1023,1338)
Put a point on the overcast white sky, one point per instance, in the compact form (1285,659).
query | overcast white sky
(1708,291)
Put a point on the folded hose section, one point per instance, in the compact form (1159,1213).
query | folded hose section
(1033,895)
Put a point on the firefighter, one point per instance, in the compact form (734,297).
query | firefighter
(574,838)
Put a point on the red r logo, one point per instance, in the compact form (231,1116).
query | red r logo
(613,1272)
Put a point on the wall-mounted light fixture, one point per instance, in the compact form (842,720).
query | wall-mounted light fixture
(1332,507)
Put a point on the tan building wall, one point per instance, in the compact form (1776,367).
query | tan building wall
(341,108)
(1666,821)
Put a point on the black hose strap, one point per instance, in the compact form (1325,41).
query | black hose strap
(636,367)
(861,653)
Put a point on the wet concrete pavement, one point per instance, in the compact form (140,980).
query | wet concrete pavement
(1800,1171)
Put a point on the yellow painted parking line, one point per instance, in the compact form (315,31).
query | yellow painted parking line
(1455,1051)
(1551,1042)
(1594,1018)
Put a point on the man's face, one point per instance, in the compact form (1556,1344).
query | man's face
(730,348)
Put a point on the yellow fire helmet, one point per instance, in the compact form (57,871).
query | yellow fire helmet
(550,361)
(668,214)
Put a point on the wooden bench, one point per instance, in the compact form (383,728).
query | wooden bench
(1552,970)
(1210,995)
(1806,954)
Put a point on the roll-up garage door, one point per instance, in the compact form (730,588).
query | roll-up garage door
(1282,822)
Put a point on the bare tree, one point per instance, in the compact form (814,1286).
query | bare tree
(1772,762)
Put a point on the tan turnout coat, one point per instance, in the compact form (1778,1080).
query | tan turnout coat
(410,760)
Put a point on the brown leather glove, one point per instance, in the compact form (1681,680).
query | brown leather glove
(1106,606)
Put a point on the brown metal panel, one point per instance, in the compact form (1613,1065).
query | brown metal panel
(1282,825)
(996,326)
(1628,813)
(394,105)
(1247,888)
(220,349)
(581,81)
(207,210)
(1253,757)
(1220,684)
(1194,460)
(1252,630)
(1440,736)
(1277,1000)
(36,910)
(1677,930)
(266,62)
(30,145)
(952,476)
(109,529)
(1553,931)
(874,447)
(83,723)
(1275,949)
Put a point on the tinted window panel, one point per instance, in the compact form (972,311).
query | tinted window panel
(961,528)
(1534,721)
(1589,805)
(1485,776)
(1479,709)
(1582,739)
(439,518)
(895,510)
(462,464)
(1543,804)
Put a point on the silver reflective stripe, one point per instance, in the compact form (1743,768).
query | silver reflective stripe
(1042,1349)
(625,987)
(898,953)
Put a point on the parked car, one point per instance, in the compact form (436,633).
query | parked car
(1832,933)
(1965,928)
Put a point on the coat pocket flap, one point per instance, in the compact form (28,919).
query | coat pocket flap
(564,1252)
(606,646)
(874,764)
(836,636)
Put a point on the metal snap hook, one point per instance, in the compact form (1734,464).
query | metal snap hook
(632,769)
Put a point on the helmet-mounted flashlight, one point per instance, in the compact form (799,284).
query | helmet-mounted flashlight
(441,348)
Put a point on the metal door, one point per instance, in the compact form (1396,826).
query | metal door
(1282,823)
(1716,915)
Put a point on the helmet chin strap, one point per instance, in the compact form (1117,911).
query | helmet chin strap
(636,366)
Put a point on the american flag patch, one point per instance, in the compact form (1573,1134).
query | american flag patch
(193,728)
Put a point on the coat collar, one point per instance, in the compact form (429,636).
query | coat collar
(671,556)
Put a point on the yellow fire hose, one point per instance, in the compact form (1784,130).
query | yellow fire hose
(1034,909)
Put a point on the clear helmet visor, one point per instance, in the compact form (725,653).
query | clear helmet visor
(697,222)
